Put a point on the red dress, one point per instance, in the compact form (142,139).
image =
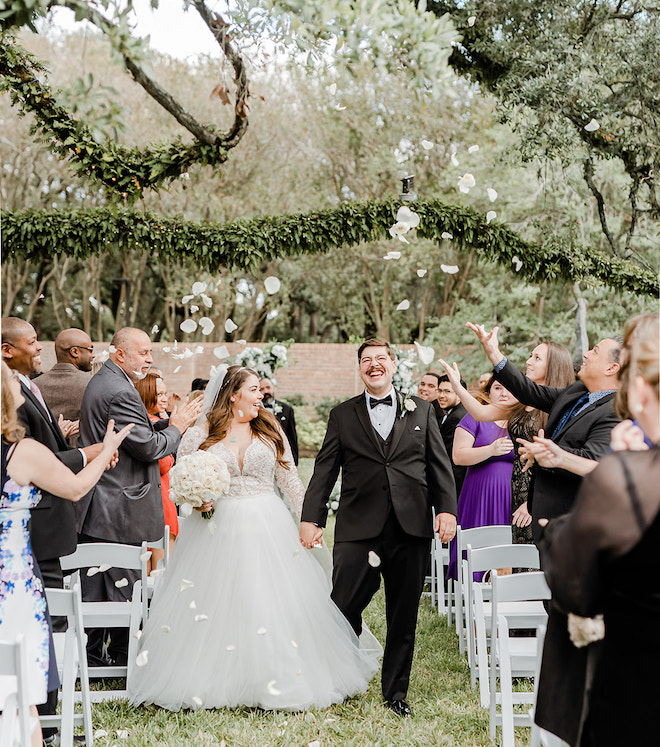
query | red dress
(169,509)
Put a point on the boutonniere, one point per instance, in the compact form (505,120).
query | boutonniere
(277,409)
(407,403)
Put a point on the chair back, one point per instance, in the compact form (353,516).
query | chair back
(13,664)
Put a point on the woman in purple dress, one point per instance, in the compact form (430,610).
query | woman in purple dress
(487,451)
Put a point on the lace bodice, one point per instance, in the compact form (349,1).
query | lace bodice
(260,470)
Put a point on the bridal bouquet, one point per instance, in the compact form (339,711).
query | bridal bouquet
(197,478)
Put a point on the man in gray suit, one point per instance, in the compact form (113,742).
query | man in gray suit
(126,504)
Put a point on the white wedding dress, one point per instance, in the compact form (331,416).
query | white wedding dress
(242,615)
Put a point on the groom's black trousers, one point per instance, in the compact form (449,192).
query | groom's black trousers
(403,563)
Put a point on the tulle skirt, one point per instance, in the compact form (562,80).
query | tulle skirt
(243,617)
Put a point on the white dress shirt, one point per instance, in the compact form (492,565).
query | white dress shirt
(382,416)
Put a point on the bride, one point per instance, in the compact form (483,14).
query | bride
(243,616)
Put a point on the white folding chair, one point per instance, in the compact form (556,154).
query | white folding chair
(124,614)
(440,561)
(477,537)
(71,655)
(513,656)
(16,708)
(480,560)
(163,544)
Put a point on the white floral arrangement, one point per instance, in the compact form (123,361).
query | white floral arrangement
(265,361)
(404,376)
(198,478)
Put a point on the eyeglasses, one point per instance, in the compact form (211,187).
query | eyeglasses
(378,359)
(80,347)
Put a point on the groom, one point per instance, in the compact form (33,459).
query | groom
(394,471)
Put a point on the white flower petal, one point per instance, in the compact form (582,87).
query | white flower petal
(373,559)
(201,618)
(466,182)
(122,733)
(188,325)
(421,273)
(426,353)
(100,733)
(193,308)
(294,644)
(92,571)
(121,583)
(137,635)
(309,717)
(272,284)
(157,572)
(197,701)
(272,689)
(186,584)
(176,370)
(212,526)
(206,300)
(104,567)
(404,305)
(145,556)
(315,743)
(492,194)
(592,126)
(241,342)
(230,647)
(199,287)
(398,228)
(142,658)
(185,509)
(221,352)
(392,255)
(454,160)
(490,215)
(449,269)
(401,237)
(165,628)
(262,631)
(187,299)
(230,326)
(473,149)
(517,262)
(154,329)
(471,20)
(406,216)
(333,89)
(446,235)
(427,144)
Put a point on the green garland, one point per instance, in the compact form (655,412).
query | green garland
(126,171)
(247,242)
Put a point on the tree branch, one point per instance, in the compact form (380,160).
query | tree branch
(589,179)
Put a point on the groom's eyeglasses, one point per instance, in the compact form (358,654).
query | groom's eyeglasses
(380,359)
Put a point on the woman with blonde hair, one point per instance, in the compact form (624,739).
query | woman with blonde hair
(28,465)
(244,616)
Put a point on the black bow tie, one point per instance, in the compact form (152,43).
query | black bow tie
(373,402)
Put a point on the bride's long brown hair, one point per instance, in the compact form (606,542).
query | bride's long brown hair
(264,426)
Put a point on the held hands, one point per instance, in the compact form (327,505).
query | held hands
(488,341)
(445,526)
(68,427)
(501,446)
(182,419)
(310,535)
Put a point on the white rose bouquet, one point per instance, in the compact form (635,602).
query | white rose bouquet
(198,478)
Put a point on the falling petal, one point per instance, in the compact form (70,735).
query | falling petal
(401,237)
(154,329)
(471,20)
(241,342)
(406,216)
(197,701)
(466,182)
(100,733)
(329,720)
(176,370)
(137,635)
(399,228)
(186,584)
(166,349)
(454,160)
(187,299)
(165,628)
(492,194)
(296,553)
(427,144)
(516,261)
(261,631)
(446,235)
(201,618)
(230,648)
(315,743)
(230,326)
(294,644)
(199,287)
(212,527)
(449,269)
(592,126)
(421,273)
(193,605)
(185,510)
(188,325)
(221,352)
(157,572)
(193,308)
(425,353)
(145,556)
(142,658)
(272,284)
(206,300)
(404,305)
(121,583)
(92,571)
(333,89)
(392,255)
(340,108)
(373,559)
(272,690)
(490,215)
(473,149)
(112,349)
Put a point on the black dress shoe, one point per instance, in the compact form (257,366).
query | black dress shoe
(400,707)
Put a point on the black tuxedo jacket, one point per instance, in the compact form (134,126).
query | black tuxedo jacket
(52,520)
(553,491)
(287,420)
(448,431)
(414,475)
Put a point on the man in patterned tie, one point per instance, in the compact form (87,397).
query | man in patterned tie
(395,470)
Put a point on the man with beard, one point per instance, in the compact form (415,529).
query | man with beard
(283,412)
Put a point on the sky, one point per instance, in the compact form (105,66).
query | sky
(173,30)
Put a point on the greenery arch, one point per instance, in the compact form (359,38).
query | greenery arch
(247,242)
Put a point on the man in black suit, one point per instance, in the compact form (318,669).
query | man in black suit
(394,471)
(580,418)
(283,412)
(452,414)
(52,520)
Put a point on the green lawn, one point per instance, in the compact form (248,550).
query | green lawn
(446,710)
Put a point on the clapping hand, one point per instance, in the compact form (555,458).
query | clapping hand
(186,416)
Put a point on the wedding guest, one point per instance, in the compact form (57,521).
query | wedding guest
(395,471)
(283,412)
(452,414)
(28,466)
(153,393)
(126,504)
(598,682)
(427,389)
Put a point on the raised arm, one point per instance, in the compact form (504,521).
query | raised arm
(483,413)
